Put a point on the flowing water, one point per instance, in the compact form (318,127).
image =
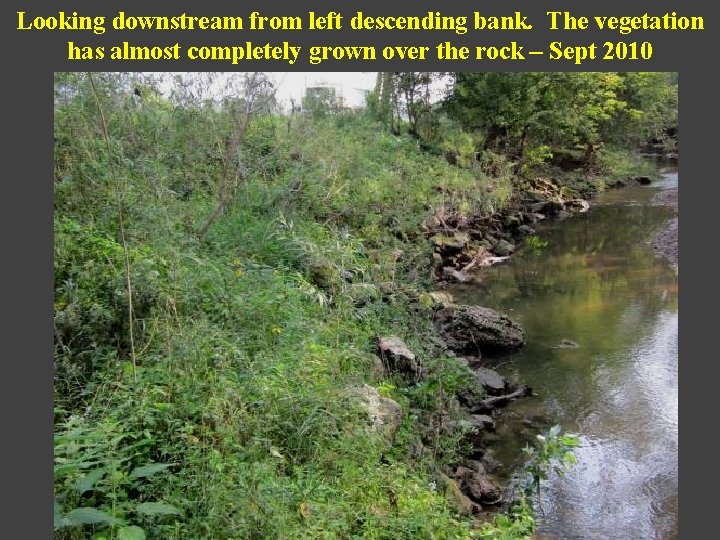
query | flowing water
(598,284)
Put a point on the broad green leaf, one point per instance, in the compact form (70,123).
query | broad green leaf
(570,440)
(89,516)
(569,457)
(57,515)
(157,508)
(65,470)
(131,533)
(87,482)
(61,470)
(150,468)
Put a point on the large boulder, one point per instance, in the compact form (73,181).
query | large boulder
(492,382)
(527,230)
(482,489)
(450,244)
(398,358)
(467,329)
(451,274)
(551,208)
(475,482)
(442,299)
(577,205)
(385,414)
(461,503)
(503,248)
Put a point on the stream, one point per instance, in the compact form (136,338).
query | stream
(601,314)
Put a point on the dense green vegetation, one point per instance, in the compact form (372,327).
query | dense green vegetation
(222,272)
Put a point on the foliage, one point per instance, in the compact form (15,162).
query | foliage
(98,486)
(536,156)
(409,95)
(266,254)
(319,101)
(535,243)
(553,451)
(618,164)
(521,110)
(249,338)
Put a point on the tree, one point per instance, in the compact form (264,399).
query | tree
(405,94)
(320,100)
(257,97)
(381,102)
(515,111)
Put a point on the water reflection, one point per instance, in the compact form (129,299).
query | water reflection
(598,284)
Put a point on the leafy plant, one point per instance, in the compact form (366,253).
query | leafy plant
(535,243)
(536,156)
(552,452)
(95,482)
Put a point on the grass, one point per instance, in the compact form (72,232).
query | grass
(249,342)
(241,423)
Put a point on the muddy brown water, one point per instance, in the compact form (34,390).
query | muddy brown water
(597,283)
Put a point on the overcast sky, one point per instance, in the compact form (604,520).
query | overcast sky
(352,86)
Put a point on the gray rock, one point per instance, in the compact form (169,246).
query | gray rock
(377,371)
(461,502)
(492,382)
(478,485)
(384,413)
(490,464)
(578,205)
(468,328)
(538,207)
(482,421)
(513,221)
(525,230)
(442,299)
(482,489)
(398,358)
(451,274)
(447,244)
(503,247)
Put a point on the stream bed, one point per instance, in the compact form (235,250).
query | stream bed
(601,314)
